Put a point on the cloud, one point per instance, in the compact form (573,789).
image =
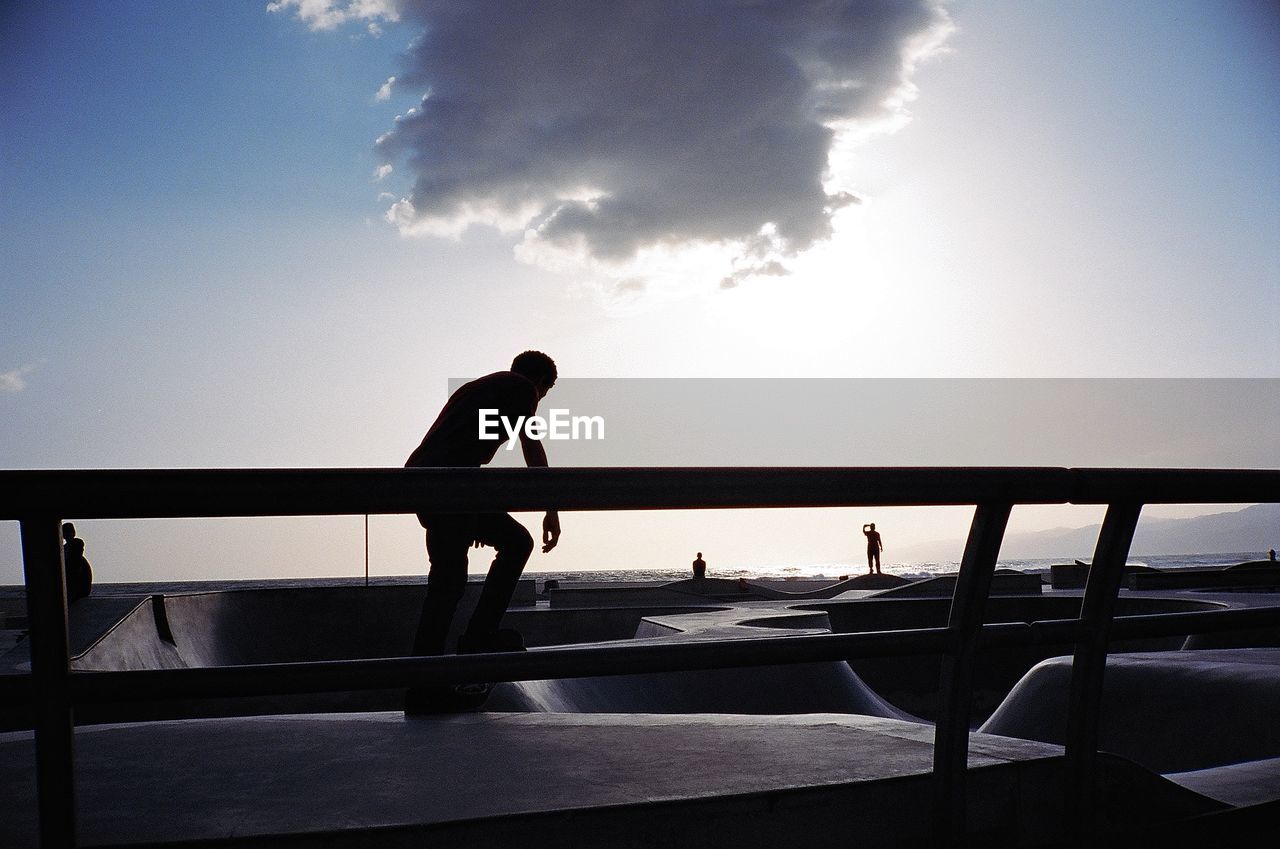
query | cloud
(382,171)
(384,93)
(331,14)
(606,132)
(15,380)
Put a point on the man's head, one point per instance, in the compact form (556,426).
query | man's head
(872,526)
(538,368)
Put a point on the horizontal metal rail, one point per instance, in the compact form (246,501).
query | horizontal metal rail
(1065,631)
(578,662)
(117,494)
(274,679)
(140,494)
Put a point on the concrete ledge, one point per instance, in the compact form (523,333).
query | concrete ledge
(1186,579)
(545,780)
(1004,582)
(712,590)
(1074,576)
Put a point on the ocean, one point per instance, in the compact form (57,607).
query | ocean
(816,571)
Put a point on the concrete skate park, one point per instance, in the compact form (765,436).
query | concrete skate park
(969,709)
(722,749)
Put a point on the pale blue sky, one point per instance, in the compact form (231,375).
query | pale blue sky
(195,269)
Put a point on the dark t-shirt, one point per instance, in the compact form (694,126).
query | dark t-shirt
(454,438)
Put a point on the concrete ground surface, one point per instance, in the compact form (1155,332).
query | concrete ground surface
(534,780)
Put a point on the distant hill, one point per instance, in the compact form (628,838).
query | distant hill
(1255,528)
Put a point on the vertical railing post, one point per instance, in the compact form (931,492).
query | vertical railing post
(50,679)
(951,731)
(1097,611)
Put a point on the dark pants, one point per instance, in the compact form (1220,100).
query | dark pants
(449,537)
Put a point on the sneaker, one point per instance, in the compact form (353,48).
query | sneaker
(458,698)
(434,699)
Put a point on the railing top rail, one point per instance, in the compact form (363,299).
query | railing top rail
(1175,486)
(165,493)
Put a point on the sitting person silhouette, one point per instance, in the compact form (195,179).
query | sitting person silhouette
(454,440)
(79,575)
(874,547)
(699,567)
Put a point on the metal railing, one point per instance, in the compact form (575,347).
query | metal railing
(40,500)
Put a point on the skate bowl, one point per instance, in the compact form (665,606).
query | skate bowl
(262,626)
(911,683)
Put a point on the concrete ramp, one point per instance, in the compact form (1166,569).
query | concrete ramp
(794,688)
(316,623)
(284,625)
(1168,711)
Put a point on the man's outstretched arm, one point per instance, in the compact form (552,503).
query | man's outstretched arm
(535,456)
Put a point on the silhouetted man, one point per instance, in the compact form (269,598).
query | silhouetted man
(79,575)
(454,440)
(874,547)
(699,567)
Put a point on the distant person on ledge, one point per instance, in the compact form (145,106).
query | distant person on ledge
(454,440)
(874,547)
(79,576)
(699,567)
(1271,555)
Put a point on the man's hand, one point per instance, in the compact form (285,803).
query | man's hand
(550,530)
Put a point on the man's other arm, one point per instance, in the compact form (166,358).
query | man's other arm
(535,457)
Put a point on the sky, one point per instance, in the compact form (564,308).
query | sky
(267,235)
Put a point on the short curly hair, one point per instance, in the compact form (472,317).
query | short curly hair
(535,365)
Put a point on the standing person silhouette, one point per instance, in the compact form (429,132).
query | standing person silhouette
(454,440)
(874,547)
(699,567)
